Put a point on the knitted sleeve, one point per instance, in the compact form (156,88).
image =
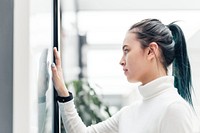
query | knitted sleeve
(73,123)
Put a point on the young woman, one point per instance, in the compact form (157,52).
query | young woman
(149,48)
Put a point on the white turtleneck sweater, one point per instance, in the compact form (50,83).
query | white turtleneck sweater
(162,110)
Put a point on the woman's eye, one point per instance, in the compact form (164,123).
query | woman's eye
(125,50)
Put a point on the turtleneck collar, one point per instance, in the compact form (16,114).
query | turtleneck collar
(156,87)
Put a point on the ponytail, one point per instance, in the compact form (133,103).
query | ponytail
(181,64)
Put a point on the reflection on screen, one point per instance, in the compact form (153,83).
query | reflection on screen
(44,94)
(41,40)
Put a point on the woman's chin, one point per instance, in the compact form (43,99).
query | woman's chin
(131,80)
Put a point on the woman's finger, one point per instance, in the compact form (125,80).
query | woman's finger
(54,70)
(57,57)
(57,79)
(59,82)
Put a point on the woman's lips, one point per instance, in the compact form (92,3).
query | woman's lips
(125,70)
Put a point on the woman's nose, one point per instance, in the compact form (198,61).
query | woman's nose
(122,62)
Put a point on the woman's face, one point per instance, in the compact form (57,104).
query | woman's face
(134,59)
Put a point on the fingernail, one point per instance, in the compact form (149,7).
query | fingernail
(53,65)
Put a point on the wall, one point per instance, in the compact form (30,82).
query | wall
(6,67)
(21,68)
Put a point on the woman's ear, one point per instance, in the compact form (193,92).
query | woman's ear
(152,51)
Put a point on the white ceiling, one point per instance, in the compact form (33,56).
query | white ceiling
(137,4)
(113,5)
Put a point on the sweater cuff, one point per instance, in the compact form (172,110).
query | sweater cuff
(65,99)
(67,106)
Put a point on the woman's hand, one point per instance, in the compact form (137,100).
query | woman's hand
(57,78)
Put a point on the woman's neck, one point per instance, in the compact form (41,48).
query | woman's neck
(152,75)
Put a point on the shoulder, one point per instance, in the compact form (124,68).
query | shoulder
(179,109)
(178,116)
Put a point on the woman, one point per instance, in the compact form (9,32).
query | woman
(149,48)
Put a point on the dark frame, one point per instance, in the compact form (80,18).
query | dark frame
(56,43)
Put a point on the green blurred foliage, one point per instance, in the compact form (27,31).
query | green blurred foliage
(89,105)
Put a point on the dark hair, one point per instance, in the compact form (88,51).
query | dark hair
(172,44)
